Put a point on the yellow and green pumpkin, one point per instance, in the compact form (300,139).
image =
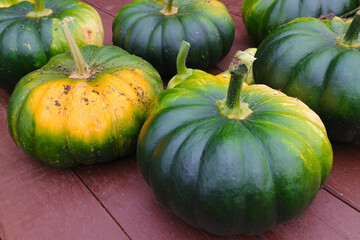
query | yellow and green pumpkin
(63,116)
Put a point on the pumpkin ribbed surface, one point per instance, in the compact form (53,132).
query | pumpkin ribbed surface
(319,71)
(142,29)
(64,121)
(231,176)
(263,16)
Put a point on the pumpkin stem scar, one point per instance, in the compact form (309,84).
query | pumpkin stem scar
(82,70)
(351,38)
(232,106)
(169,9)
(39,10)
(182,71)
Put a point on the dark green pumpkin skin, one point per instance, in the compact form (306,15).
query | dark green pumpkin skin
(231,176)
(263,16)
(27,43)
(318,71)
(141,29)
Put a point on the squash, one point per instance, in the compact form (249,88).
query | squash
(38,35)
(8,3)
(232,158)
(322,70)
(263,16)
(154,30)
(64,116)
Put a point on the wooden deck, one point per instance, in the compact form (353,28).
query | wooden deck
(112,201)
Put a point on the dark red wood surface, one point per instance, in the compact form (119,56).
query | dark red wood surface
(112,201)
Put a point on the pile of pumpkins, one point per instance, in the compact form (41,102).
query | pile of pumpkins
(224,154)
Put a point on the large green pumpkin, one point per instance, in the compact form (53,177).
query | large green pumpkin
(63,116)
(31,34)
(155,29)
(322,70)
(232,162)
(263,16)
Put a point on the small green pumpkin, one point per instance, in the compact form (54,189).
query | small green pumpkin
(263,16)
(322,70)
(70,112)
(31,34)
(232,158)
(154,30)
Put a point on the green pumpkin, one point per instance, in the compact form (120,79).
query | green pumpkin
(232,158)
(322,70)
(70,112)
(31,34)
(154,30)
(263,16)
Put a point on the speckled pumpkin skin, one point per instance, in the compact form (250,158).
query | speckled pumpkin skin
(63,121)
(231,176)
(263,16)
(38,39)
(141,29)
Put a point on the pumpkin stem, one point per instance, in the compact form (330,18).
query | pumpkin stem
(350,13)
(169,9)
(39,10)
(82,70)
(182,71)
(232,106)
(351,38)
(247,57)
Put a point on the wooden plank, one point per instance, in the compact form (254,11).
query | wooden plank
(40,202)
(110,6)
(107,20)
(327,218)
(121,188)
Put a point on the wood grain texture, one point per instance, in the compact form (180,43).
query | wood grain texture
(121,188)
(40,202)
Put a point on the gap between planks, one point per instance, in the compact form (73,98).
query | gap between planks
(342,198)
(102,205)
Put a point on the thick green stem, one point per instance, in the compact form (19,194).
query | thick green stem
(351,13)
(181,58)
(182,71)
(233,98)
(351,38)
(352,34)
(39,5)
(232,106)
(82,70)
(169,6)
(169,9)
(39,10)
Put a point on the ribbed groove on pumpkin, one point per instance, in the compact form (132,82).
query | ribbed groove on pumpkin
(267,156)
(205,141)
(205,44)
(280,56)
(156,39)
(218,44)
(306,144)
